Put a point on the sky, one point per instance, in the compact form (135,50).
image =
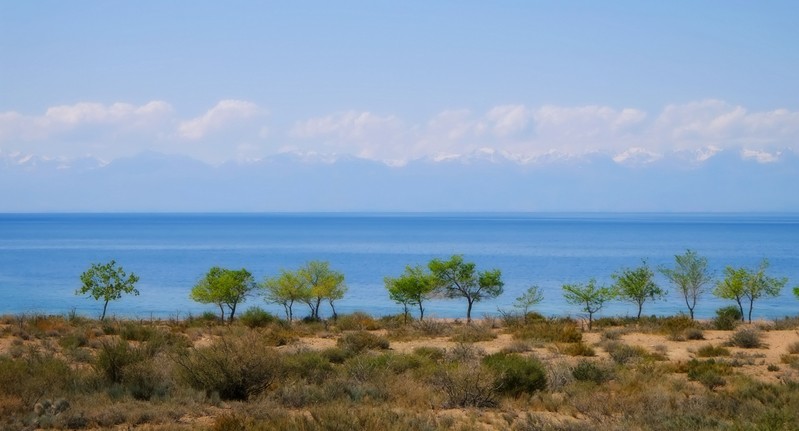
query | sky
(85,86)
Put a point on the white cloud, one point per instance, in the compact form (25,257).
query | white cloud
(508,119)
(226,113)
(363,134)
(238,130)
(760,156)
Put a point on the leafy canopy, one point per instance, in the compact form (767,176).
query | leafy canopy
(107,282)
(691,276)
(412,288)
(590,297)
(637,285)
(459,279)
(226,288)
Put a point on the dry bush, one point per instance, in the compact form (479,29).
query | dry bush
(550,330)
(793,348)
(468,385)
(357,321)
(234,367)
(517,374)
(746,338)
(623,353)
(578,349)
(355,342)
(589,371)
(709,351)
(473,333)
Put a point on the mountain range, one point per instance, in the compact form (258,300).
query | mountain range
(482,181)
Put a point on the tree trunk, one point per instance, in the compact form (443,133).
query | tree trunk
(105,306)
(333,307)
(469,310)
(590,320)
(232,312)
(640,308)
(741,307)
(222,311)
(421,312)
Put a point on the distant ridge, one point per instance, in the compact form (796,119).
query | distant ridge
(482,181)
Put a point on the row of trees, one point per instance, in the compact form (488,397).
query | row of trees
(690,276)
(312,284)
(315,284)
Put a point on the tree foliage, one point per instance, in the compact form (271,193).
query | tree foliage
(457,278)
(107,282)
(226,288)
(691,276)
(637,285)
(412,288)
(532,296)
(286,289)
(589,297)
(743,285)
(323,283)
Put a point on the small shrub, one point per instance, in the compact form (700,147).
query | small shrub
(311,366)
(773,367)
(578,349)
(793,348)
(114,357)
(431,328)
(357,321)
(472,334)
(551,330)
(433,353)
(694,334)
(709,372)
(613,334)
(335,355)
(359,341)
(786,323)
(727,318)
(624,353)
(234,367)
(710,351)
(517,374)
(747,338)
(468,385)
(464,352)
(133,331)
(587,371)
(256,317)
(518,347)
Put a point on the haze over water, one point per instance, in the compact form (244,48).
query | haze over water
(42,255)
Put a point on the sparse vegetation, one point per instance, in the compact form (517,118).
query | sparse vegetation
(209,374)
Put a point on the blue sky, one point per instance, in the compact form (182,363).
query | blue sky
(397,82)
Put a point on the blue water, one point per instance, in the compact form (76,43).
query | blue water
(42,255)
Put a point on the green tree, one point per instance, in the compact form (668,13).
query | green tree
(107,282)
(637,285)
(457,278)
(733,286)
(224,288)
(532,296)
(286,289)
(411,288)
(323,284)
(691,276)
(590,297)
(759,285)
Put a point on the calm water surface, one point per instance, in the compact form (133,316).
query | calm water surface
(42,255)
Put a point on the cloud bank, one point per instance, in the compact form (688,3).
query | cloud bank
(241,130)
